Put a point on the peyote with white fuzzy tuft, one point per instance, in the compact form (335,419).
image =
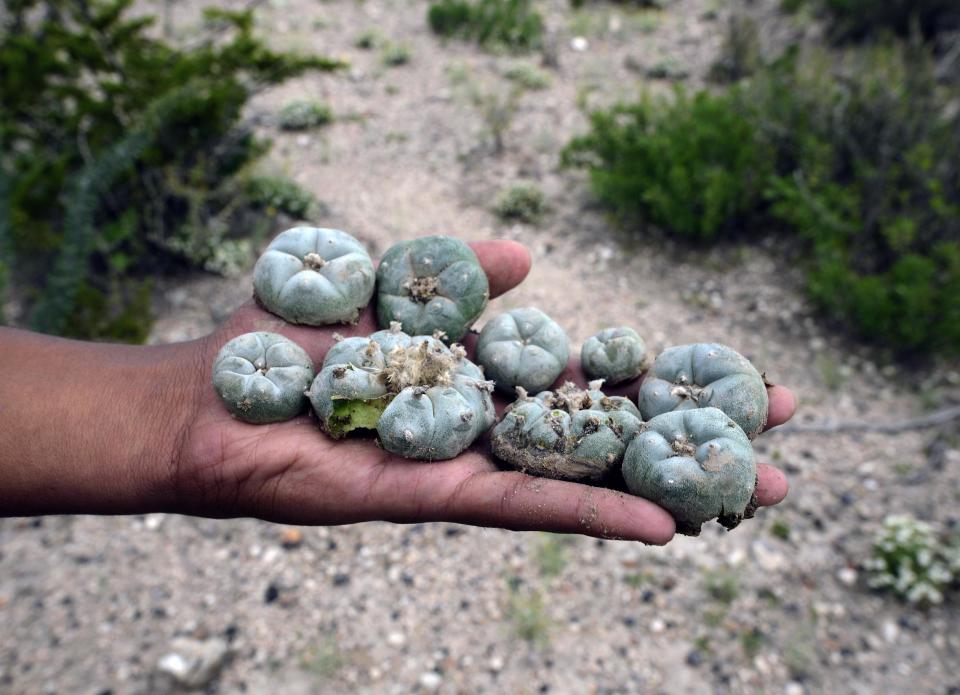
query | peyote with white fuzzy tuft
(425,400)
(570,433)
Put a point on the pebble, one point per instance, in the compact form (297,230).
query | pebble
(657,626)
(495,664)
(193,663)
(847,576)
(291,538)
(890,631)
(579,44)
(431,680)
(396,639)
(793,688)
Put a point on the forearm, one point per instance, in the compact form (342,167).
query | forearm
(91,428)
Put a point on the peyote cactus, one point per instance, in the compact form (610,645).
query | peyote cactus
(523,347)
(314,276)
(425,400)
(706,375)
(614,355)
(697,464)
(261,377)
(568,434)
(431,284)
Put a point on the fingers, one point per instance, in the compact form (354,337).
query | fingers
(783,404)
(520,502)
(771,485)
(506,263)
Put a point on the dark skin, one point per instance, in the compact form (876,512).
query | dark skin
(115,429)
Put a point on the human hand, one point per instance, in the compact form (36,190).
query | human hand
(291,472)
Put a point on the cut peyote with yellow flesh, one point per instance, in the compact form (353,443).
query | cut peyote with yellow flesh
(523,348)
(261,377)
(431,284)
(614,355)
(425,400)
(697,464)
(705,375)
(570,434)
(314,276)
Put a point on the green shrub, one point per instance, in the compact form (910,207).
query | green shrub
(279,194)
(690,164)
(856,154)
(123,154)
(869,174)
(521,203)
(303,115)
(511,24)
(740,53)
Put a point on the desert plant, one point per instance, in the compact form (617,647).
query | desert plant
(869,163)
(855,154)
(304,114)
(521,203)
(909,559)
(275,194)
(527,76)
(740,53)
(395,54)
(690,164)
(511,24)
(124,154)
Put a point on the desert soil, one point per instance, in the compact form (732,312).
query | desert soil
(780,604)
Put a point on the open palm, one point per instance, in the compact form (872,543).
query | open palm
(291,472)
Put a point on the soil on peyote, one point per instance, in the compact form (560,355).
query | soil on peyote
(777,605)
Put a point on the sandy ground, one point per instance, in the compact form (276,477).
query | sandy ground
(89,605)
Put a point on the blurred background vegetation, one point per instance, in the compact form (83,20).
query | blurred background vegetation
(124,156)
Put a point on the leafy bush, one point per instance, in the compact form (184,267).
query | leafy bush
(868,176)
(279,194)
(912,561)
(690,164)
(123,155)
(740,52)
(521,203)
(857,155)
(510,24)
(303,115)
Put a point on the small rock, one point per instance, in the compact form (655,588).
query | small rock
(154,521)
(769,559)
(890,631)
(657,626)
(793,688)
(396,639)
(193,663)
(694,658)
(495,664)
(341,579)
(271,594)
(847,576)
(579,44)
(291,538)
(431,680)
